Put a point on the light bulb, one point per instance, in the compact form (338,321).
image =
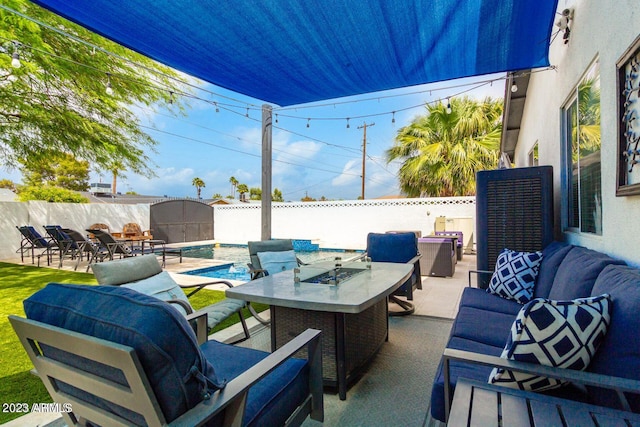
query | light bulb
(15,61)
(448,107)
(109,89)
(514,87)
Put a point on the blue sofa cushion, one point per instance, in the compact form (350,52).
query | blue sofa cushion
(515,275)
(459,370)
(479,298)
(564,334)
(273,398)
(552,255)
(619,354)
(164,342)
(483,326)
(578,272)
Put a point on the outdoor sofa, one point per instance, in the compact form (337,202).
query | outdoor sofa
(484,322)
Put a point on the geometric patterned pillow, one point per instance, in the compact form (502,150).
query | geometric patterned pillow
(515,275)
(564,334)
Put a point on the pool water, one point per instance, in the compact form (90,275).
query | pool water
(238,257)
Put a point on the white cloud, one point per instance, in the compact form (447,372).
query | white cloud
(350,174)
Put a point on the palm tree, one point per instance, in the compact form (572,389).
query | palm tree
(199,184)
(442,151)
(234,185)
(242,189)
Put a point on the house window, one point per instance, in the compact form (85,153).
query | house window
(581,135)
(533,156)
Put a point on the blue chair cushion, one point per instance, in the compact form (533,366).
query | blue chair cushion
(392,247)
(619,354)
(515,275)
(178,373)
(272,399)
(562,334)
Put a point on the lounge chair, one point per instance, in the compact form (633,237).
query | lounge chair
(95,252)
(33,241)
(269,257)
(66,245)
(113,356)
(99,226)
(401,247)
(115,247)
(144,274)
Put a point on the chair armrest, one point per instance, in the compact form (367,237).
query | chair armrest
(201,286)
(200,320)
(187,308)
(620,385)
(233,397)
(256,272)
(478,272)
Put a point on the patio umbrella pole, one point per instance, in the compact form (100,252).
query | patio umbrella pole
(267,132)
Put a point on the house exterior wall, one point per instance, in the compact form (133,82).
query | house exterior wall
(601,30)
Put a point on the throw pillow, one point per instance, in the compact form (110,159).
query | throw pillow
(563,334)
(163,287)
(515,275)
(275,262)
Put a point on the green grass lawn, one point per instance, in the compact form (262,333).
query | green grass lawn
(18,282)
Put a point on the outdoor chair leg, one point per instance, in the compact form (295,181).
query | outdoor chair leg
(244,327)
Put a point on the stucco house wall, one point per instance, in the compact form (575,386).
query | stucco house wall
(601,30)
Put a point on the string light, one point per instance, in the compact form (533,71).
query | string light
(15,57)
(170,97)
(276,118)
(109,89)
(393,118)
(308,120)
(217,108)
(514,87)
(247,115)
(448,106)
(348,125)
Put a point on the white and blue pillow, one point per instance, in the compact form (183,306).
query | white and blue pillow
(563,334)
(515,275)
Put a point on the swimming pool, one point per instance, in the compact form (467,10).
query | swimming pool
(238,257)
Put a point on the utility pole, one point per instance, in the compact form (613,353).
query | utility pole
(364,151)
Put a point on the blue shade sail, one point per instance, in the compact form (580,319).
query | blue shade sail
(289,52)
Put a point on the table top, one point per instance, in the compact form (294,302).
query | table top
(476,404)
(354,295)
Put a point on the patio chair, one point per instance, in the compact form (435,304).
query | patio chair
(115,247)
(98,226)
(269,257)
(113,356)
(133,230)
(144,274)
(66,245)
(33,241)
(95,252)
(401,248)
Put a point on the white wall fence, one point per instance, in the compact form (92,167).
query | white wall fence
(334,224)
(78,216)
(338,224)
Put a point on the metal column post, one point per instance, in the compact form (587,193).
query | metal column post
(267,132)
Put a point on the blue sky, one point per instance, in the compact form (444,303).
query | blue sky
(324,159)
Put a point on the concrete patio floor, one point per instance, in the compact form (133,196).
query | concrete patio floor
(438,299)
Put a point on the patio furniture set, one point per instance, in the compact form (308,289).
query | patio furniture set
(576,339)
(97,245)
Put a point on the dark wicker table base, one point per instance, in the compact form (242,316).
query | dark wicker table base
(349,341)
